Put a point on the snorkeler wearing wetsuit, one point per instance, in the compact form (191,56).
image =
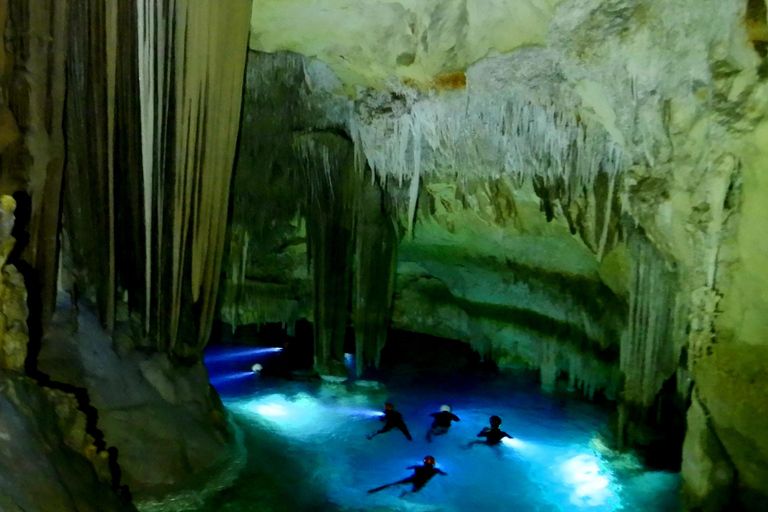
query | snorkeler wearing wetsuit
(421,475)
(492,435)
(442,422)
(392,419)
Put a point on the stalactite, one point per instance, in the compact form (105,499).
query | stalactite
(648,357)
(36,99)
(89,187)
(375,265)
(547,363)
(352,249)
(184,64)
(553,357)
(284,93)
(606,219)
(131,243)
(478,134)
(327,162)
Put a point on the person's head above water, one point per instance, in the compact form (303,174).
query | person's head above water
(389,407)
(495,421)
(429,460)
(445,408)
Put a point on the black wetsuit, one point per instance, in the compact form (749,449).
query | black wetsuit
(493,435)
(443,419)
(394,419)
(441,424)
(421,475)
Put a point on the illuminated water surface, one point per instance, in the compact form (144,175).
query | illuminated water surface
(308,450)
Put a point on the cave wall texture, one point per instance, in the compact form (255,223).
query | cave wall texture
(576,186)
(119,124)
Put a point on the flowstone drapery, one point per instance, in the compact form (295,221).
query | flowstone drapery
(648,356)
(351,248)
(177,107)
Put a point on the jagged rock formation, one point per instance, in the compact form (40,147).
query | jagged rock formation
(162,416)
(14,335)
(50,461)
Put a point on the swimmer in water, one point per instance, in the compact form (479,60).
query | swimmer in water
(442,422)
(492,435)
(392,419)
(421,475)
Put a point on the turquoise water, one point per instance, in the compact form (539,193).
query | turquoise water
(307,447)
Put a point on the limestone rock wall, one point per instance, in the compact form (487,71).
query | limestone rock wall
(14,335)
(50,463)
(49,458)
(165,421)
(369,42)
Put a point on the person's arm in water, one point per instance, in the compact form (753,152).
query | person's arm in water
(506,435)
(484,432)
(454,417)
(412,467)
(434,414)
(441,472)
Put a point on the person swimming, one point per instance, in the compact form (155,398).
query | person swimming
(492,435)
(392,419)
(421,475)
(442,422)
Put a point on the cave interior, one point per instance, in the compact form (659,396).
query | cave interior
(559,198)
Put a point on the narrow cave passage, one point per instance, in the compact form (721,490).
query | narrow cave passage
(314,435)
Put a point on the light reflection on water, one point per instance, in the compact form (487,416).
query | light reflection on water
(548,466)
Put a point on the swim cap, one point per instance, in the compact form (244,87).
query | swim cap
(429,460)
(445,408)
(389,406)
(256,368)
(495,421)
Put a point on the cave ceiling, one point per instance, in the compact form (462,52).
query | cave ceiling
(366,42)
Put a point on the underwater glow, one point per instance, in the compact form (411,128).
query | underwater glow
(239,353)
(321,430)
(368,413)
(271,410)
(230,377)
(584,473)
(306,407)
(513,443)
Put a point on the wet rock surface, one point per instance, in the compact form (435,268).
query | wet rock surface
(162,416)
(45,452)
